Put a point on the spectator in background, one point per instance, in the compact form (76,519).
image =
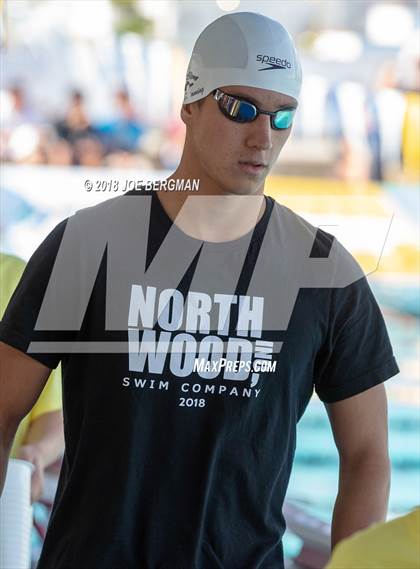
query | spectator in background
(59,152)
(124,132)
(76,123)
(391,545)
(84,148)
(20,128)
(40,437)
(390,109)
(128,126)
(408,81)
(378,128)
(88,151)
(20,111)
(397,106)
(351,126)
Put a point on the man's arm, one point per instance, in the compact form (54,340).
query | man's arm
(360,428)
(21,381)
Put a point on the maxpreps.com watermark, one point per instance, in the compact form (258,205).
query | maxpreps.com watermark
(204,365)
(129,185)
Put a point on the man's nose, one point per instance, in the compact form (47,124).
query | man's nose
(259,133)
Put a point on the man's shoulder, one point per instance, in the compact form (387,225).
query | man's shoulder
(295,227)
(315,253)
(116,202)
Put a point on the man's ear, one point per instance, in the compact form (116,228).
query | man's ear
(188,109)
(186,113)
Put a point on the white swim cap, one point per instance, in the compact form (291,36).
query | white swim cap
(243,48)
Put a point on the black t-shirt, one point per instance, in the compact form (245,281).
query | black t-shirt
(168,464)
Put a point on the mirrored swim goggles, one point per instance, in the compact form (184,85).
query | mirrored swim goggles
(241,110)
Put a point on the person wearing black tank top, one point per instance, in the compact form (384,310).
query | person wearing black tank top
(193,329)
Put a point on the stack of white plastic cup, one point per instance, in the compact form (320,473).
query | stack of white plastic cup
(16,516)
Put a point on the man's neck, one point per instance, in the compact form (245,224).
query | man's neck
(209,216)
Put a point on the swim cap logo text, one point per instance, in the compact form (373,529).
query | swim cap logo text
(273,62)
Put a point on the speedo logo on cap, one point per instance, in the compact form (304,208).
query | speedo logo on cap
(273,62)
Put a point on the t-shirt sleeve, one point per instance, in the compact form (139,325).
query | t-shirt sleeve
(357,353)
(17,327)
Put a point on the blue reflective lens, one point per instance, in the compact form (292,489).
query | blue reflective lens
(238,110)
(246,112)
(283,119)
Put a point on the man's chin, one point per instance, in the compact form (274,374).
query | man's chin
(246,191)
(239,184)
(248,187)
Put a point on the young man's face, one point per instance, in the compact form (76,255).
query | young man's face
(225,150)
